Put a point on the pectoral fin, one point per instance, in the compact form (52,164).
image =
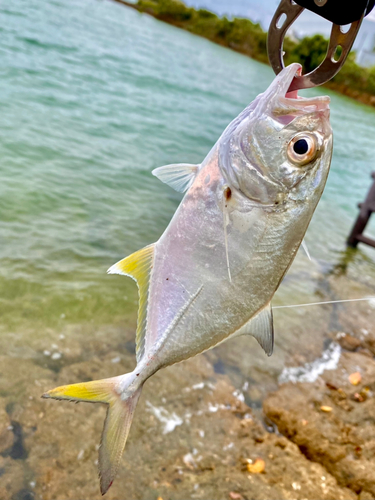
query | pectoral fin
(304,246)
(261,328)
(179,176)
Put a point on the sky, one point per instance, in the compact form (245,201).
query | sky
(262,12)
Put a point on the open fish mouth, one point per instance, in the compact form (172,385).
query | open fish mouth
(294,93)
(283,82)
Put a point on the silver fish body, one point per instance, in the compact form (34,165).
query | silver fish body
(215,269)
(192,304)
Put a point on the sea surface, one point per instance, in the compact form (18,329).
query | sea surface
(93,96)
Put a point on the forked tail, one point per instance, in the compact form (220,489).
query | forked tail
(117,423)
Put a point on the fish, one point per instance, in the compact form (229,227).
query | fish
(214,271)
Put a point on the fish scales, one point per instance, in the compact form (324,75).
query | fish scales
(213,273)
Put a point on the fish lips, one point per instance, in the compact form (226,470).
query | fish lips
(280,86)
(283,80)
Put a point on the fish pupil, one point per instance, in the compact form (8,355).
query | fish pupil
(301,147)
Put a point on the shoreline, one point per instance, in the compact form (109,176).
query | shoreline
(250,41)
(230,424)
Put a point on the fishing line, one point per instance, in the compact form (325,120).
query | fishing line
(320,303)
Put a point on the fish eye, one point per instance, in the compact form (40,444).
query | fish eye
(302,149)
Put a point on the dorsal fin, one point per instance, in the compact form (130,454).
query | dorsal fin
(138,266)
(179,176)
(261,328)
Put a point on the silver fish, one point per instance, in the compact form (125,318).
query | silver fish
(212,274)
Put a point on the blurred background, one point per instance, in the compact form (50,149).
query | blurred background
(94,95)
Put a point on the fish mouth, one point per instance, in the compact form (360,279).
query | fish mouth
(282,85)
(284,79)
(298,72)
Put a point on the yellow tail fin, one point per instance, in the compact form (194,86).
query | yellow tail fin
(117,423)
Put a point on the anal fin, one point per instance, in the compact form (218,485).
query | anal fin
(261,328)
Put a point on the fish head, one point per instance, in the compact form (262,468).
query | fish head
(279,148)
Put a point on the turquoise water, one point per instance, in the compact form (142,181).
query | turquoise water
(93,97)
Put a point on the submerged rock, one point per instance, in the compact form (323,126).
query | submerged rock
(348,342)
(192,437)
(342,440)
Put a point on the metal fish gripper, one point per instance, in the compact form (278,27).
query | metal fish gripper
(346,21)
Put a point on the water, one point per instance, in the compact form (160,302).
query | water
(93,97)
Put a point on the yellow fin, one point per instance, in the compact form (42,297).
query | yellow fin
(117,424)
(98,391)
(138,266)
(115,433)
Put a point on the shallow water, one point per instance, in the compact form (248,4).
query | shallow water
(93,97)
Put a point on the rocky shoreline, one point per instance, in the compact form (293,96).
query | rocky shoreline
(193,435)
(230,424)
(332,420)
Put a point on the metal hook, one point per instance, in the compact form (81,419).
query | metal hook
(287,12)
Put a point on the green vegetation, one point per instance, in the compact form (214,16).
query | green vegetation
(352,80)
(309,52)
(238,34)
(249,38)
